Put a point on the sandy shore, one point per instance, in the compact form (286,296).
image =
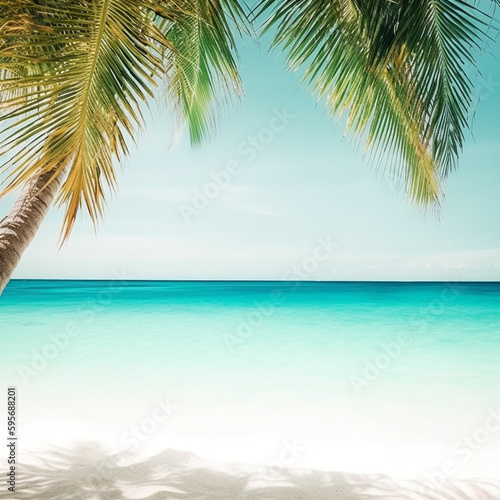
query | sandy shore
(88,472)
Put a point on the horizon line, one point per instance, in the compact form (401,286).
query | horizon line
(251,280)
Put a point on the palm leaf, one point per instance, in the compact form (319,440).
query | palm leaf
(202,75)
(397,68)
(74,76)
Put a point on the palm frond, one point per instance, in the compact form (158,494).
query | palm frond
(441,37)
(398,69)
(74,75)
(202,75)
(96,62)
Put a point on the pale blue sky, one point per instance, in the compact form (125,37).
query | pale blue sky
(297,184)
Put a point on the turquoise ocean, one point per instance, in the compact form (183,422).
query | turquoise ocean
(393,378)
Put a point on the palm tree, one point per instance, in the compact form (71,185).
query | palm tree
(75,73)
(74,76)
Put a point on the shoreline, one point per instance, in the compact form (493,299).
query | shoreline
(88,471)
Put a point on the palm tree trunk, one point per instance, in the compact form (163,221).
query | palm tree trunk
(20,226)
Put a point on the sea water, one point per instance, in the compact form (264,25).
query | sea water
(394,378)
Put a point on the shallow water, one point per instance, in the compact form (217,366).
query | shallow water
(393,378)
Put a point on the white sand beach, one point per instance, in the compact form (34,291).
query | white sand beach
(88,472)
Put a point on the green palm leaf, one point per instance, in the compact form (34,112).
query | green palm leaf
(203,77)
(398,69)
(74,75)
